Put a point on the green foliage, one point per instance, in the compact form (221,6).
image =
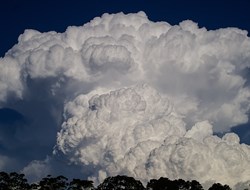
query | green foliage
(167,184)
(161,184)
(120,182)
(195,185)
(218,186)
(13,181)
(53,183)
(77,184)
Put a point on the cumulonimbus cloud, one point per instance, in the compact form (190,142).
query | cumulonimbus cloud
(196,78)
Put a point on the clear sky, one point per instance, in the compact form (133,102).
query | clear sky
(29,127)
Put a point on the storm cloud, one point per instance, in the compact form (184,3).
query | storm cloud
(123,94)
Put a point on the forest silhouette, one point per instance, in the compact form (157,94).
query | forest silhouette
(16,181)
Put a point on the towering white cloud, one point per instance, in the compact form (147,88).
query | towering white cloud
(104,127)
(195,78)
(201,71)
(136,131)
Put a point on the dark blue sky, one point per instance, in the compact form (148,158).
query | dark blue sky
(46,15)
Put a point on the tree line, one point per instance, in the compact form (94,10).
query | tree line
(16,181)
